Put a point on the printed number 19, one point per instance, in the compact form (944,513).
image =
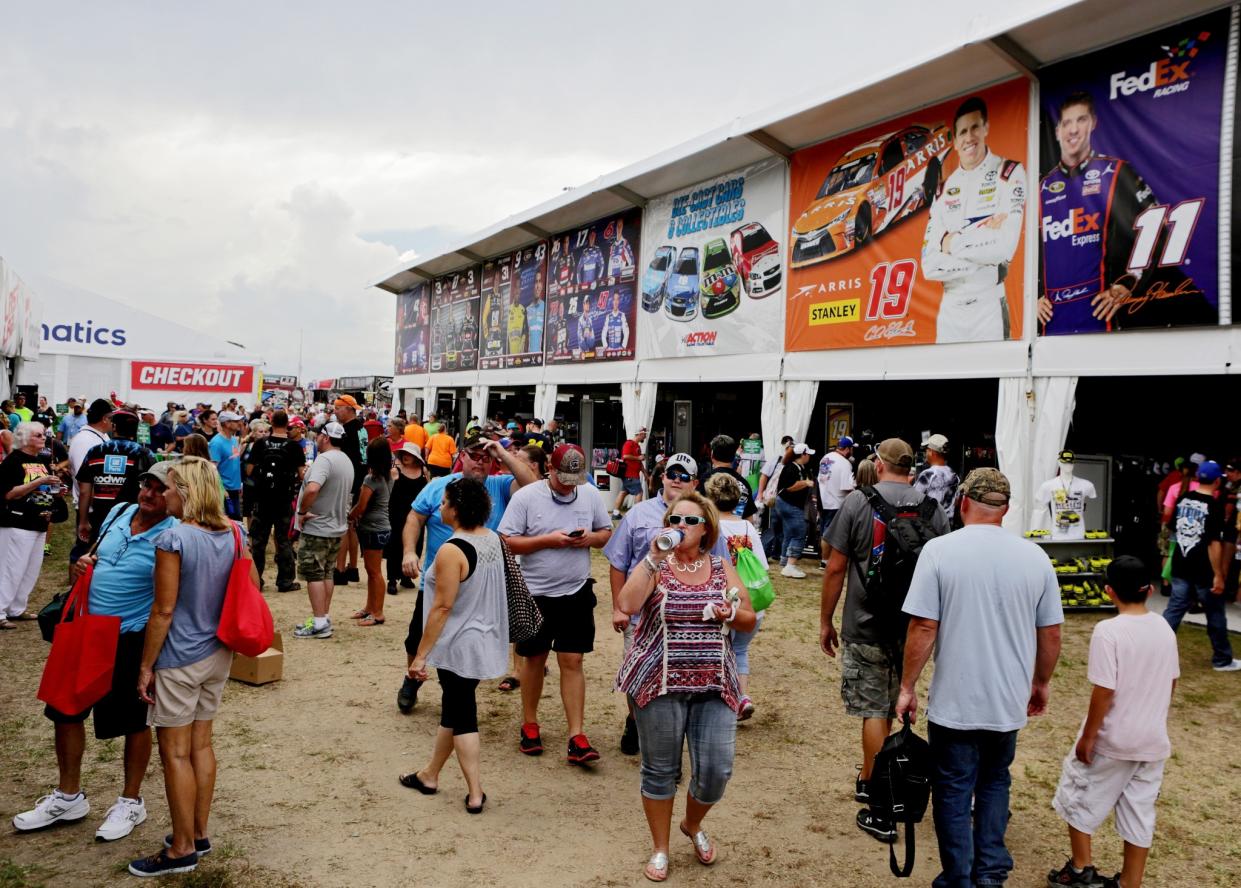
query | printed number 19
(896,188)
(1181,219)
(891,285)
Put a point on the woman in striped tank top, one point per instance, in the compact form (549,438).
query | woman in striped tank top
(681,675)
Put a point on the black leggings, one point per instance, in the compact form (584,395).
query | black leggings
(458,709)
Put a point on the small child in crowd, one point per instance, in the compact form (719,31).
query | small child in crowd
(1118,761)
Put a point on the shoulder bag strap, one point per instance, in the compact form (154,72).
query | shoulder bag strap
(903,872)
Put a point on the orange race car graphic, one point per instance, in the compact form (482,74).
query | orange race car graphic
(871,187)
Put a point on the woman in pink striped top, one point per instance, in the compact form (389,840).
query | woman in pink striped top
(681,676)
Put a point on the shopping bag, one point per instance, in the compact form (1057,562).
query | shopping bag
(245,621)
(756,580)
(78,671)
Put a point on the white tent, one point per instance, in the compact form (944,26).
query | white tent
(92,346)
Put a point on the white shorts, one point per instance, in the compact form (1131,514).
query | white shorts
(971,317)
(1088,793)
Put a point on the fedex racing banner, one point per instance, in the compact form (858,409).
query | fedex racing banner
(413,328)
(454,321)
(911,231)
(165,376)
(513,309)
(712,269)
(591,302)
(1130,185)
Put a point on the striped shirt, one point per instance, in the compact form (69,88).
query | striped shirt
(674,650)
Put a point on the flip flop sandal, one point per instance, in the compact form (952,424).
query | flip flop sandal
(657,864)
(703,849)
(369,620)
(509,683)
(411,781)
(5,624)
(471,809)
(24,618)
(360,615)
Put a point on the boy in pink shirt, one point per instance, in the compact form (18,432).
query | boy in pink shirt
(1118,761)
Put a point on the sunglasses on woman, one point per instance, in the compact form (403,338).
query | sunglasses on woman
(687,520)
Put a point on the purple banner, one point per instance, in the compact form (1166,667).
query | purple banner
(1129,190)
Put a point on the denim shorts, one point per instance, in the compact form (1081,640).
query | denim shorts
(666,723)
(632,485)
(370,540)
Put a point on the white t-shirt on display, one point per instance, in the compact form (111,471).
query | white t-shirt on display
(835,480)
(1066,505)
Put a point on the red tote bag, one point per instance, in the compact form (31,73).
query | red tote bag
(78,672)
(245,622)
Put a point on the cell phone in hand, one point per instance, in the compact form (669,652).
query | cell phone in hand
(577,533)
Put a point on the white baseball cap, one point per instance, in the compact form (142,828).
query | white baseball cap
(799,449)
(685,461)
(938,443)
(334,430)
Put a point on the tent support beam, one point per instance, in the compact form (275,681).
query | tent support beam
(1014,54)
(531,228)
(629,195)
(770,142)
(471,255)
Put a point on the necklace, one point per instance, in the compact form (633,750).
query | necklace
(684,568)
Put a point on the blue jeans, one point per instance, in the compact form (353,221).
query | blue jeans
(793,520)
(741,645)
(666,723)
(971,766)
(772,536)
(825,520)
(1183,591)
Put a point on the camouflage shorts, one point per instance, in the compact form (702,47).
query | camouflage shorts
(870,679)
(316,557)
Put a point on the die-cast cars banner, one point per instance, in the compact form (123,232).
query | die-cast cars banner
(454,321)
(167,376)
(413,327)
(1129,190)
(911,231)
(592,299)
(513,308)
(712,269)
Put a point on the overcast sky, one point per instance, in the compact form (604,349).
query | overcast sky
(246,168)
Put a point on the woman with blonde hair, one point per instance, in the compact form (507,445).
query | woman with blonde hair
(867,475)
(680,673)
(184,665)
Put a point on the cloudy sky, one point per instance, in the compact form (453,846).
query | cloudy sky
(246,168)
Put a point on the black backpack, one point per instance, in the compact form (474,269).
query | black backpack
(900,788)
(893,557)
(273,473)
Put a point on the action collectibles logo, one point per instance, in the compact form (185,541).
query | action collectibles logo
(701,339)
(191,377)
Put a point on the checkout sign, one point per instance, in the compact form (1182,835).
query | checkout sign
(190,377)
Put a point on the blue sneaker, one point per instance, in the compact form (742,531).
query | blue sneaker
(161,864)
(202,847)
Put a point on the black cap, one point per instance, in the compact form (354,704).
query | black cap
(99,408)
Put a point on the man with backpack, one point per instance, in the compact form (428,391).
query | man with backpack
(876,536)
(987,603)
(275,466)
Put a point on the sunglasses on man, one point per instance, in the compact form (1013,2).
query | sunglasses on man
(675,475)
(687,520)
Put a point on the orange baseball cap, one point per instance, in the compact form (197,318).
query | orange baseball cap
(345,401)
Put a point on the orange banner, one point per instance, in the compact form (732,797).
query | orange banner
(910,231)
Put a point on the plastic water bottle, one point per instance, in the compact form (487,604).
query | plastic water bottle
(668,539)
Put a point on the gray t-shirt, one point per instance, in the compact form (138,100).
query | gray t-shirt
(474,641)
(533,512)
(852,531)
(991,591)
(333,471)
(206,560)
(375,518)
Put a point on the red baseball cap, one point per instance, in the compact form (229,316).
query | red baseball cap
(569,463)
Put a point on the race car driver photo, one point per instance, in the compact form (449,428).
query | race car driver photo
(973,231)
(1089,203)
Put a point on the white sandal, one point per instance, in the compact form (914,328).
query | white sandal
(703,849)
(658,862)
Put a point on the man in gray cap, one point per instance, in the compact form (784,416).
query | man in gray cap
(937,480)
(987,603)
(322,518)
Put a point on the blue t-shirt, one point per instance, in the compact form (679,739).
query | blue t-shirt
(226,454)
(206,560)
(123,584)
(499,488)
(70,425)
(631,541)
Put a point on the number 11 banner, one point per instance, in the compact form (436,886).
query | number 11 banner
(1129,188)
(910,231)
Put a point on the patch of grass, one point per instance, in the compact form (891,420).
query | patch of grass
(14,876)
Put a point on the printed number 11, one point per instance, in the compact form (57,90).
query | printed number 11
(891,285)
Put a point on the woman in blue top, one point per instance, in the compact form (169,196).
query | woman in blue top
(184,664)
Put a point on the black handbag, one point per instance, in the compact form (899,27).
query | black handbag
(900,788)
(51,613)
(524,617)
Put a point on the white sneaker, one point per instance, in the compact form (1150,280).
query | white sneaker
(50,809)
(1234,666)
(121,820)
(791,571)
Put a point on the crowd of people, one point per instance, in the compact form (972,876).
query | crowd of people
(914,557)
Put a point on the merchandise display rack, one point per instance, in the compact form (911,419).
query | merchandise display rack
(1086,549)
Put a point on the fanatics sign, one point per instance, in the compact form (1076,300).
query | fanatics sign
(191,377)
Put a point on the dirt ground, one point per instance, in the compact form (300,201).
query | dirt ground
(307,791)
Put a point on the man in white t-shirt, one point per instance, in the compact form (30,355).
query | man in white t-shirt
(938,480)
(987,603)
(835,481)
(553,525)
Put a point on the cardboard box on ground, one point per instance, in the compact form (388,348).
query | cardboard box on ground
(263,669)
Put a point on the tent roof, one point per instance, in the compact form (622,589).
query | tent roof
(998,45)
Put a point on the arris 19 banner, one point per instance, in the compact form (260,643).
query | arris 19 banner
(911,231)
(1129,190)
